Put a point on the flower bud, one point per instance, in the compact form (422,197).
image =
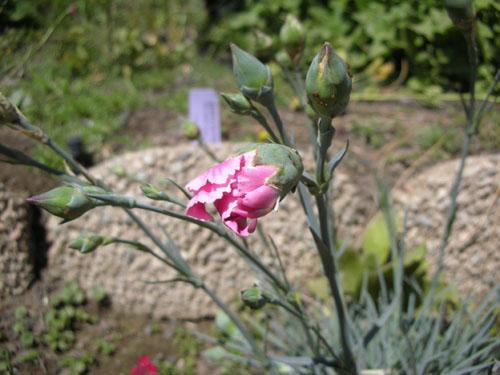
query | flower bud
(88,242)
(293,37)
(254,78)
(237,103)
(67,202)
(247,186)
(328,83)
(283,59)
(462,14)
(263,44)
(191,130)
(254,298)
(152,192)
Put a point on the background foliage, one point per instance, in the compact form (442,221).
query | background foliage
(383,39)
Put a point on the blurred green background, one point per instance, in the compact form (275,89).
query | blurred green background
(68,63)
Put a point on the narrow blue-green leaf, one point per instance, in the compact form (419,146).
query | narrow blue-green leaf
(380,322)
(332,164)
(308,208)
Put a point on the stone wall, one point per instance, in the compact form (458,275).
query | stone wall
(16,244)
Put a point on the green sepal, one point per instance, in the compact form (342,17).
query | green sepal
(286,158)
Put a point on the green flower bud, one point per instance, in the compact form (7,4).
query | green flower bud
(191,130)
(152,192)
(237,103)
(287,159)
(254,78)
(283,59)
(462,14)
(88,242)
(293,37)
(67,202)
(328,83)
(263,44)
(254,298)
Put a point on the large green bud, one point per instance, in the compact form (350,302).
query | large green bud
(254,78)
(462,14)
(328,83)
(293,37)
(68,202)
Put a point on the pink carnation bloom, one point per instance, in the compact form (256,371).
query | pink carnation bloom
(238,190)
(144,367)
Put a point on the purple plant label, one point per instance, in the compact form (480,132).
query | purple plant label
(204,112)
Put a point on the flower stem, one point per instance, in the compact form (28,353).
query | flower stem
(329,268)
(258,352)
(271,107)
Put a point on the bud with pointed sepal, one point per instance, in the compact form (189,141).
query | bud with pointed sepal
(237,103)
(254,298)
(462,14)
(254,78)
(88,242)
(68,202)
(328,83)
(293,37)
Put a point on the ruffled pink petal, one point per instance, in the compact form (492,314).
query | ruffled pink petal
(240,225)
(250,178)
(217,175)
(263,197)
(225,205)
(197,210)
(211,192)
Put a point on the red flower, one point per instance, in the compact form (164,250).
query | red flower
(144,367)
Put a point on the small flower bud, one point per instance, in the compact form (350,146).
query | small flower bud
(462,14)
(254,298)
(237,103)
(88,242)
(283,59)
(152,192)
(254,78)
(328,83)
(67,202)
(191,130)
(263,44)
(293,37)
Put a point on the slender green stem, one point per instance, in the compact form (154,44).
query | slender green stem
(221,232)
(258,352)
(298,313)
(451,214)
(472,53)
(255,113)
(141,247)
(279,124)
(330,271)
(325,136)
(485,101)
